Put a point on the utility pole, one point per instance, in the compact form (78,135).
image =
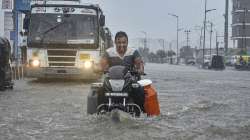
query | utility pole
(217,44)
(187,32)
(177,54)
(170,52)
(211,33)
(226,27)
(198,52)
(145,40)
(201,38)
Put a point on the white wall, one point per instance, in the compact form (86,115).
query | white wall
(1,20)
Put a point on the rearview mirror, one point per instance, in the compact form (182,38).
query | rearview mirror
(26,22)
(102,20)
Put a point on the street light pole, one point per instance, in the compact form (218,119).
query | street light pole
(201,37)
(204,33)
(226,26)
(217,44)
(177,34)
(177,42)
(211,34)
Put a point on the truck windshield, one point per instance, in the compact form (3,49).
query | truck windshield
(63,29)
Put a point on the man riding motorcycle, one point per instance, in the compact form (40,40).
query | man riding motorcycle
(129,57)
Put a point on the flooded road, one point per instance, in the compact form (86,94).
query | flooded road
(195,104)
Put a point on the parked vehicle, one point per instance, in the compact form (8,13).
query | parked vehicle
(5,69)
(231,60)
(217,63)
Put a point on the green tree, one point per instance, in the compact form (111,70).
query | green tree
(161,55)
(171,53)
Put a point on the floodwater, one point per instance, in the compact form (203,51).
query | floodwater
(196,104)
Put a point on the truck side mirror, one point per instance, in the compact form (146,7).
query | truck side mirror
(26,22)
(102,20)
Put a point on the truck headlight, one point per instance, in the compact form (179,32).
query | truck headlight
(87,64)
(35,63)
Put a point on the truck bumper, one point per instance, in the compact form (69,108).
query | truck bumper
(64,73)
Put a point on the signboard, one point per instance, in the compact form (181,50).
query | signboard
(22,5)
(61,10)
(6,4)
(12,35)
(8,24)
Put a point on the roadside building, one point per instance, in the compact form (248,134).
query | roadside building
(241,24)
(6,20)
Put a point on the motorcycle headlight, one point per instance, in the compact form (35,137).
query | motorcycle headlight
(35,63)
(135,85)
(88,64)
(114,94)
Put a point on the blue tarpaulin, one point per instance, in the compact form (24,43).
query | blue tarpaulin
(22,5)
(12,35)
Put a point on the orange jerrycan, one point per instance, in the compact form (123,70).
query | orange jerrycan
(151,104)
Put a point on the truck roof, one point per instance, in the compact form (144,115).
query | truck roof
(62,2)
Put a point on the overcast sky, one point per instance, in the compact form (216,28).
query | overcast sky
(151,16)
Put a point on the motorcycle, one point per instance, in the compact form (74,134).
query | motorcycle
(116,93)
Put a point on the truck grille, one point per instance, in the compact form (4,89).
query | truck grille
(61,57)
